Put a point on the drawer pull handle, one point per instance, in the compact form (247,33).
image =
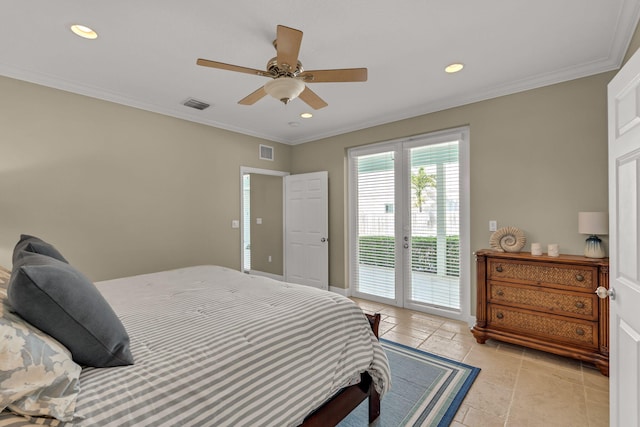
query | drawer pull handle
(500,293)
(579,277)
(499,315)
(499,269)
(579,304)
(580,331)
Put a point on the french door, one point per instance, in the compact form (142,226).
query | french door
(409,216)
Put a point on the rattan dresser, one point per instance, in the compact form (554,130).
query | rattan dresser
(546,303)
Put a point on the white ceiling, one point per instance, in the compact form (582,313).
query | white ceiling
(145,55)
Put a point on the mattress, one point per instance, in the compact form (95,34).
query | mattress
(216,347)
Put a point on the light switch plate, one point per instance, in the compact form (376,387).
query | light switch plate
(235,224)
(493,225)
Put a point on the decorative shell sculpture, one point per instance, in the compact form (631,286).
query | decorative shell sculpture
(508,239)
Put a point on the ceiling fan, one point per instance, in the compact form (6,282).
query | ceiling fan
(288,77)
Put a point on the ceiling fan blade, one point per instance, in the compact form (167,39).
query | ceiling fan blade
(287,43)
(253,97)
(223,66)
(341,75)
(310,97)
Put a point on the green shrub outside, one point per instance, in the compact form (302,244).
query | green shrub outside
(379,251)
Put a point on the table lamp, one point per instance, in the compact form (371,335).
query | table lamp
(593,223)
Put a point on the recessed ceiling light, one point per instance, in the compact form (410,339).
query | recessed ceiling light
(454,68)
(306,115)
(84,32)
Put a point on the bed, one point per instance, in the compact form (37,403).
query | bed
(215,347)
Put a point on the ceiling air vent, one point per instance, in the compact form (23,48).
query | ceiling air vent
(266,152)
(194,103)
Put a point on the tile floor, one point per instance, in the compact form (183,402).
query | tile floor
(517,387)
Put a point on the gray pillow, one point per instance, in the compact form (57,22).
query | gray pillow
(60,301)
(28,244)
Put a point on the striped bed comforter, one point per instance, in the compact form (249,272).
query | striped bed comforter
(216,347)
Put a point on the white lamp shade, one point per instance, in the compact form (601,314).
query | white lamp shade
(593,223)
(284,88)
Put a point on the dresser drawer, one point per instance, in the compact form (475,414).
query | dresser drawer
(575,304)
(545,274)
(558,328)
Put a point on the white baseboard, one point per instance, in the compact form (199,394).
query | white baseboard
(342,291)
(471,320)
(270,275)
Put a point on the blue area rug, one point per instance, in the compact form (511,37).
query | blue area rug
(426,390)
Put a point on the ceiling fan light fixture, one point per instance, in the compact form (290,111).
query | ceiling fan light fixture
(284,88)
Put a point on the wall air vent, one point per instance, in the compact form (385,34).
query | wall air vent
(194,103)
(266,152)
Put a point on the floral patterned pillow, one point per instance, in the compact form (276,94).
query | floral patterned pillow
(37,375)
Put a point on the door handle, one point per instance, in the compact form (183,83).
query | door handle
(603,292)
(324,239)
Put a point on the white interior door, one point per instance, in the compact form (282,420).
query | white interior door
(624,231)
(306,226)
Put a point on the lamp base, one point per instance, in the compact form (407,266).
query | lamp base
(593,247)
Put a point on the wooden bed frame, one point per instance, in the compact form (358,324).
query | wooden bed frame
(346,400)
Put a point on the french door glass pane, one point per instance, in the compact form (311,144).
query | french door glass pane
(435,225)
(376,225)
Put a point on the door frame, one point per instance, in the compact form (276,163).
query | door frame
(244,170)
(463,133)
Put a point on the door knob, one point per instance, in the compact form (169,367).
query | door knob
(324,239)
(603,292)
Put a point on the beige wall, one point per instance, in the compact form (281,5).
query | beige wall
(118,190)
(122,191)
(266,238)
(537,159)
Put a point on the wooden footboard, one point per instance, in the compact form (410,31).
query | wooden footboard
(346,400)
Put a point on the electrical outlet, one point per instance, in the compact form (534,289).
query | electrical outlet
(235,223)
(493,225)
